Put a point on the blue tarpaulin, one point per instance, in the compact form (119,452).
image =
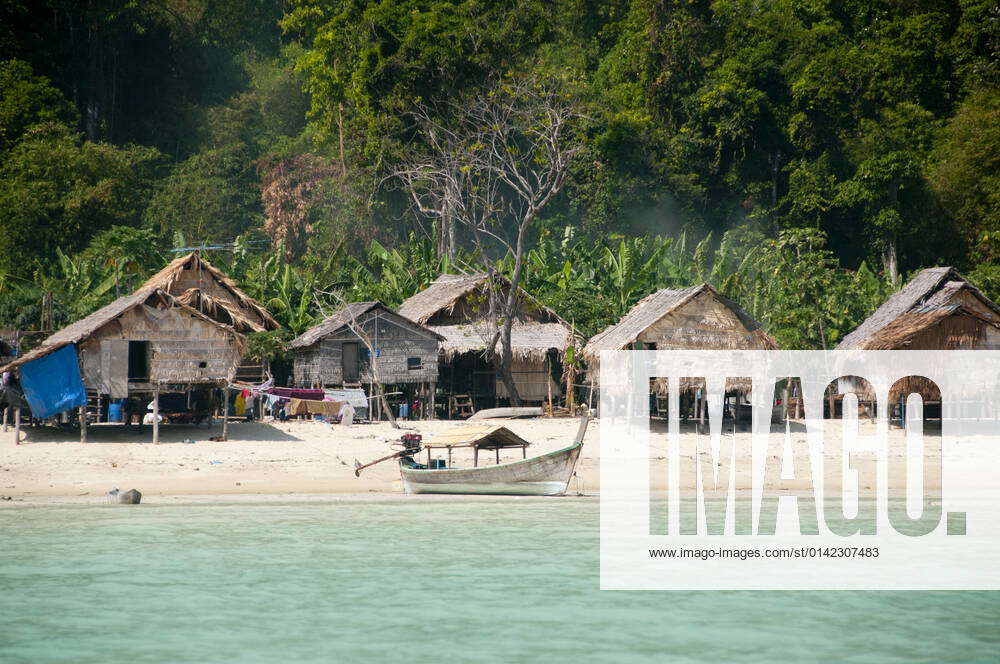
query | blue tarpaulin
(52,384)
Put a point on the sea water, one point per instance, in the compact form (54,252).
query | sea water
(414,580)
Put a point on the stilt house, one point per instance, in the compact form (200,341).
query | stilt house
(695,318)
(335,354)
(456,307)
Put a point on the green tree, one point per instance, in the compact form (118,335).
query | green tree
(26,100)
(57,191)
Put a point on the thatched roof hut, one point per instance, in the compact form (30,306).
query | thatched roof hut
(692,318)
(182,345)
(195,282)
(938,309)
(456,306)
(333,353)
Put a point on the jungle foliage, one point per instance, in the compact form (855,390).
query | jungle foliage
(804,157)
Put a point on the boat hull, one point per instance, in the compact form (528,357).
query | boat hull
(545,475)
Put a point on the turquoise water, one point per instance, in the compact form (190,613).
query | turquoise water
(416,581)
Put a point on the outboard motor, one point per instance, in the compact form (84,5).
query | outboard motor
(411,444)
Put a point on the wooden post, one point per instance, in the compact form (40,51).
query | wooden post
(83,424)
(548,386)
(17,426)
(156,415)
(449,456)
(570,400)
(498,456)
(475,456)
(428,457)
(225,414)
(433,413)
(6,418)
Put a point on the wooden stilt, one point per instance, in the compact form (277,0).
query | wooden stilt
(475,457)
(6,418)
(17,426)
(83,423)
(548,385)
(498,455)
(225,414)
(156,416)
(570,400)
(433,411)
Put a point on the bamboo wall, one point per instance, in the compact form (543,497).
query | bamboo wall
(322,363)
(179,344)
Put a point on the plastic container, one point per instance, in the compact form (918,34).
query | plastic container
(115,412)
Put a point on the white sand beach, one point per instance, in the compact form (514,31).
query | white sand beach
(294,458)
(280,458)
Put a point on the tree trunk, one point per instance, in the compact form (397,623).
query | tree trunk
(890,261)
(503,363)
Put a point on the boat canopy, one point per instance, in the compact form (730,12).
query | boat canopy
(479,436)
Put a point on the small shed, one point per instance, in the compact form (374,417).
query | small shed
(456,307)
(695,318)
(332,354)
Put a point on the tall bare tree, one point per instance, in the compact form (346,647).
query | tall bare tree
(491,165)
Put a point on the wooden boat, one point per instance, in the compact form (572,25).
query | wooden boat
(543,475)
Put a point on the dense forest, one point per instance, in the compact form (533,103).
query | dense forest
(803,156)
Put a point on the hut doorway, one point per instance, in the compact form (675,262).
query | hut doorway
(351,363)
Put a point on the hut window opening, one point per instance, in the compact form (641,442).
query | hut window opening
(138,361)
(414,363)
(202,365)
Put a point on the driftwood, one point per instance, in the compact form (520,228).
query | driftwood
(130,497)
(507,413)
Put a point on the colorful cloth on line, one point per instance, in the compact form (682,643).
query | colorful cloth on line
(310,407)
(295,393)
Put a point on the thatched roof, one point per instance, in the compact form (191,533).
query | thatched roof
(528,341)
(930,288)
(532,337)
(236,309)
(965,329)
(353,312)
(445,291)
(483,436)
(85,327)
(652,308)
